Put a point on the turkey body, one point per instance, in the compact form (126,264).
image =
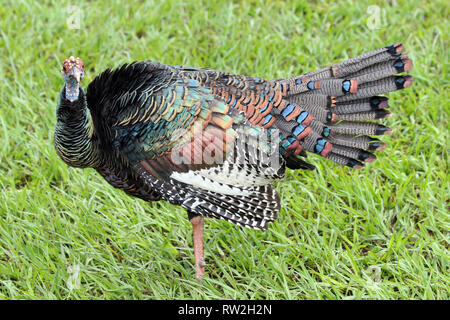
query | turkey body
(213,142)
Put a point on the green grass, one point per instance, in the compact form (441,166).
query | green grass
(377,233)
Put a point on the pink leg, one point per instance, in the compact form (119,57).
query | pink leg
(197,224)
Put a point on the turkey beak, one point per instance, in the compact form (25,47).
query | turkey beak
(77,75)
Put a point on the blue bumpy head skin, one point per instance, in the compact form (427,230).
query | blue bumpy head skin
(73,71)
(72,91)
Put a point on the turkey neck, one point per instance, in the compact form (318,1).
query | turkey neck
(75,139)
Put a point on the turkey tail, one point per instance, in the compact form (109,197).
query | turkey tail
(330,111)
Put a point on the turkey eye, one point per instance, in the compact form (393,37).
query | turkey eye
(65,66)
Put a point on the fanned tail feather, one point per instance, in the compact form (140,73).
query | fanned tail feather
(329,111)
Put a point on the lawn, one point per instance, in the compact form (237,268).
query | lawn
(377,233)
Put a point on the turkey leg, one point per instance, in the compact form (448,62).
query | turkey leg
(197,225)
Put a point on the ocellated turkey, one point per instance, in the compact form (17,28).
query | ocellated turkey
(214,142)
